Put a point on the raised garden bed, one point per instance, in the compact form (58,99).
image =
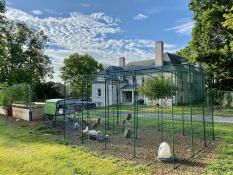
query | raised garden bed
(21,111)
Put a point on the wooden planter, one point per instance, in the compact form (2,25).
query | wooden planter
(22,111)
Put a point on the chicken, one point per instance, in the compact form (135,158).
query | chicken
(127,132)
(125,122)
(128,117)
(76,125)
(95,124)
(86,130)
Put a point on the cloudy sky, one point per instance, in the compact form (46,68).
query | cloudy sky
(106,29)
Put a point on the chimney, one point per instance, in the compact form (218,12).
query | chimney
(122,61)
(158,53)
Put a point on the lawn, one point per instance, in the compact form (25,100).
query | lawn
(33,149)
(223,165)
(224,111)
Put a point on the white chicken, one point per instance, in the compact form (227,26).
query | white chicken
(76,125)
(86,130)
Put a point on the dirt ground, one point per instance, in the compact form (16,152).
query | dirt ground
(146,148)
(147,145)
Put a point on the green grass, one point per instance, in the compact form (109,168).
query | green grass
(33,149)
(226,111)
(223,165)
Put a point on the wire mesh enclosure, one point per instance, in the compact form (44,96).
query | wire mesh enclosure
(130,113)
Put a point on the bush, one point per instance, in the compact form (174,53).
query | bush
(16,93)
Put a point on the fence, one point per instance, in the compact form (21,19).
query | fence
(130,113)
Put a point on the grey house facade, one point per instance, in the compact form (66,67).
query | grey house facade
(120,89)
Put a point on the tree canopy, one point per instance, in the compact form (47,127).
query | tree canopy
(22,58)
(229,23)
(75,71)
(2,6)
(211,41)
(158,87)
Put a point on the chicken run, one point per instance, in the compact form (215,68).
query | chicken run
(136,128)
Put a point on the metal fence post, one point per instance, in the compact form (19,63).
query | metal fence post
(64,111)
(134,111)
(190,107)
(182,99)
(105,110)
(117,91)
(162,105)
(82,112)
(203,107)
(212,112)
(173,134)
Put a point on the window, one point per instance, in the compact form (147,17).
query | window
(99,92)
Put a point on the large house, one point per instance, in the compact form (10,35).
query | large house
(119,86)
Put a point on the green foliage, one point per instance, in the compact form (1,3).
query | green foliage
(75,70)
(187,53)
(48,90)
(229,23)
(158,88)
(17,93)
(211,41)
(25,61)
(22,58)
(228,19)
(2,6)
(217,98)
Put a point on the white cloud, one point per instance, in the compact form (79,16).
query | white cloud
(185,28)
(36,12)
(8,3)
(140,17)
(87,34)
(53,12)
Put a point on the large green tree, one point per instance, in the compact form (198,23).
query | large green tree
(78,71)
(22,58)
(2,6)
(229,23)
(158,87)
(211,41)
(25,60)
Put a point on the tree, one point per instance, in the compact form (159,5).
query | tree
(2,6)
(210,45)
(22,58)
(49,90)
(159,87)
(187,53)
(25,61)
(229,23)
(78,71)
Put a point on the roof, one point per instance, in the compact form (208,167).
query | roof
(168,59)
(54,100)
(128,86)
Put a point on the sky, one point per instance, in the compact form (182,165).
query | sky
(105,29)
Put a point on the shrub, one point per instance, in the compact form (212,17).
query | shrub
(16,93)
